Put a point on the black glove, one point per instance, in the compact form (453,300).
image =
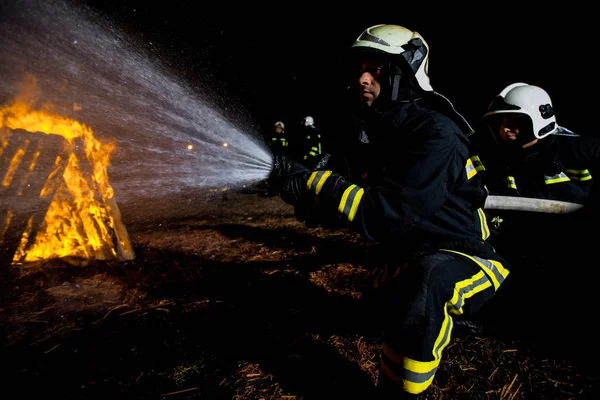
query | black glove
(289,177)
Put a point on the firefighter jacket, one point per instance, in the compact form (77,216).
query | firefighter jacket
(279,143)
(558,167)
(417,183)
(312,147)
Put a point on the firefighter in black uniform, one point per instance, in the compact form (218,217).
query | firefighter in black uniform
(278,141)
(312,148)
(530,155)
(418,191)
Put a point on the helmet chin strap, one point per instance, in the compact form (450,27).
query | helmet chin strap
(395,84)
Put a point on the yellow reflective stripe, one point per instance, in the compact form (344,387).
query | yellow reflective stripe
(350,201)
(473,165)
(579,174)
(443,337)
(510,180)
(470,168)
(485,229)
(316,180)
(466,289)
(477,162)
(417,375)
(494,269)
(561,177)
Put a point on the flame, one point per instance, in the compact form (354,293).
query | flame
(78,221)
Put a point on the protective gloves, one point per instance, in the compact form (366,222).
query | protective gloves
(314,194)
(289,178)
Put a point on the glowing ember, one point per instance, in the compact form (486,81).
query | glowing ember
(82,219)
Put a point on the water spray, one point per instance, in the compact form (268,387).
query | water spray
(169,137)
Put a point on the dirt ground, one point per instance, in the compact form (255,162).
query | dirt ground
(235,299)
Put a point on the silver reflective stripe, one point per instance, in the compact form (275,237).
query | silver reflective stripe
(350,201)
(492,268)
(561,177)
(470,168)
(316,180)
(485,229)
(457,305)
(512,184)
(367,37)
(445,336)
(415,377)
(579,174)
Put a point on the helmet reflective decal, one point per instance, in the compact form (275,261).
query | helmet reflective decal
(415,53)
(367,37)
(547,111)
(402,47)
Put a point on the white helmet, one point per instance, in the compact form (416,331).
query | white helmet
(398,40)
(308,121)
(532,101)
(279,124)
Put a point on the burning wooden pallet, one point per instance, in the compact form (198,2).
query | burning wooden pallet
(55,198)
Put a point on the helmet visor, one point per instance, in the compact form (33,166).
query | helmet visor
(499,105)
(511,128)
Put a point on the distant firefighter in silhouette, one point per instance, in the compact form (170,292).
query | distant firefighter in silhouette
(279,141)
(310,139)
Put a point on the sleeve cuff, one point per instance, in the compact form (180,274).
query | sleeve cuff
(345,195)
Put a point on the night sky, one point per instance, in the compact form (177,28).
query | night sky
(283,61)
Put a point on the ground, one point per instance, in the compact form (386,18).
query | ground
(235,299)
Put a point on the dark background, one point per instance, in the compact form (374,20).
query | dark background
(284,61)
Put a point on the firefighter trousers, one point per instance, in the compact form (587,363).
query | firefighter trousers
(420,304)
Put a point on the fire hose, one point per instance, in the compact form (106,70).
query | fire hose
(493,202)
(530,204)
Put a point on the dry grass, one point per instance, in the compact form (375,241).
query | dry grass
(242,302)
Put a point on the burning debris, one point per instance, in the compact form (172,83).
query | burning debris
(56,199)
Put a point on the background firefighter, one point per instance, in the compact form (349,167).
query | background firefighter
(528,154)
(310,137)
(416,187)
(278,142)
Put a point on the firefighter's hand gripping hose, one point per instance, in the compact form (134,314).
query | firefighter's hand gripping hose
(319,193)
(289,178)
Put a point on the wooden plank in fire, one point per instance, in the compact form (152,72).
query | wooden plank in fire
(26,162)
(31,171)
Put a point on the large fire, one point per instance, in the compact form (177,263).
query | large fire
(82,219)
